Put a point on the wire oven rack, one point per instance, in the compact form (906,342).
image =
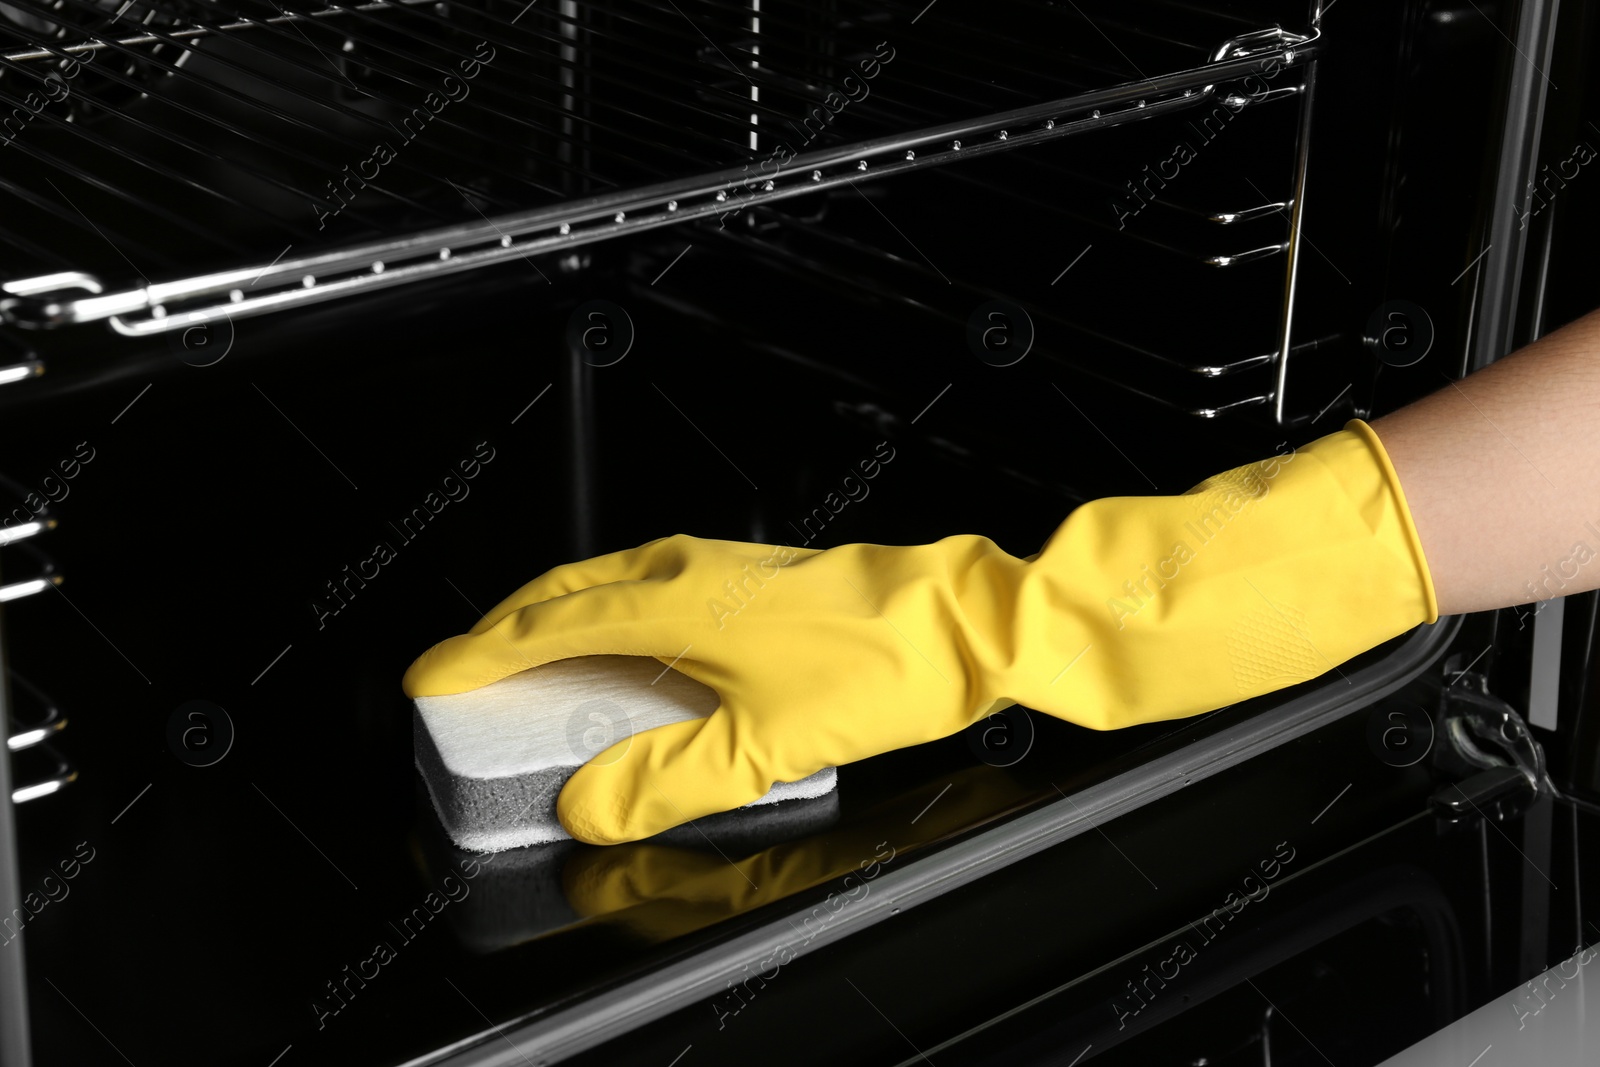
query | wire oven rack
(176,163)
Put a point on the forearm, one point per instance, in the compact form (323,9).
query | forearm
(1501,472)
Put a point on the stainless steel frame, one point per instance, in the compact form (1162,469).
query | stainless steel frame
(57,299)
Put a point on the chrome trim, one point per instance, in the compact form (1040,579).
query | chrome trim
(1247,256)
(1227,218)
(1247,402)
(1292,272)
(33,735)
(192,32)
(22,531)
(1505,237)
(65,774)
(19,372)
(27,587)
(30,734)
(37,303)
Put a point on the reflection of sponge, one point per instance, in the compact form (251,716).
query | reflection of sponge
(495,758)
(519,894)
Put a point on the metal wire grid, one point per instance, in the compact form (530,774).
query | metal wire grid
(166,139)
(834,256)
(1055,187)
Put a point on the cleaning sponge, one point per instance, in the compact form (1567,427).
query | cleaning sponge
(495,758)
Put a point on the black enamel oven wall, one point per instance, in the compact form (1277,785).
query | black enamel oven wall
(1176,292)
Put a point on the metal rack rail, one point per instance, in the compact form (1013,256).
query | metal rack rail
(1109,351)
(180,164)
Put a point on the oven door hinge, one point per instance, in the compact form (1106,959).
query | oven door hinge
(1489,747)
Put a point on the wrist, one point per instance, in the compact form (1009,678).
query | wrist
(1404,529)
(1147,608)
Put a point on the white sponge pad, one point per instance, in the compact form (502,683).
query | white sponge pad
(495,758)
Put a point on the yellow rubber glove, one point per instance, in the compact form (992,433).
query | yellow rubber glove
(1137,609)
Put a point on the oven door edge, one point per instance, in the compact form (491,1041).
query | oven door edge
(633,1004)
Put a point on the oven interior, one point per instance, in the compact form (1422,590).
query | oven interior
(286,269)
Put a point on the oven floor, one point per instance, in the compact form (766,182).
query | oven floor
(242,902)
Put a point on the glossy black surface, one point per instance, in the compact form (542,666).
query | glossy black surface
(1344,919)
(221,901)
(217,151)
(203,531)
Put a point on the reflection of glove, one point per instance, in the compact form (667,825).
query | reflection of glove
(662,891)
(1137,609)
